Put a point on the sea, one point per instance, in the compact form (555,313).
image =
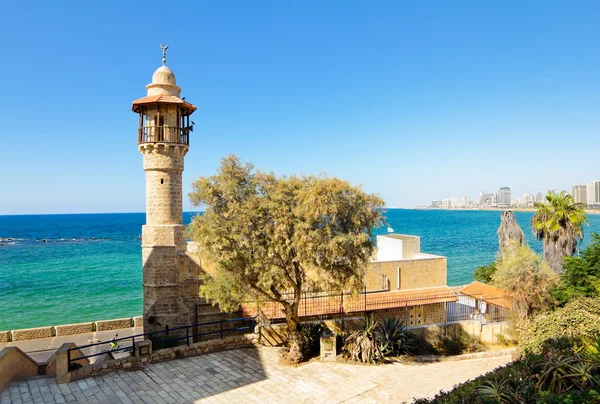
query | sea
(61,269)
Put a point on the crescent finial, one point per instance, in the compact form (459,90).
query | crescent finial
(164,51)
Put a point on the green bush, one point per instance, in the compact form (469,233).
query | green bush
(569,379)
(457,345)
(582,274)
(311,333)
(393,336)
(485,273)
(563,329)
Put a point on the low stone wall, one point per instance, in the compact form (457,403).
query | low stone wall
(276,334)
(107,325)
(73,329)
(138,321)
(15,364)
(69,329)
(140,359)
(32,333)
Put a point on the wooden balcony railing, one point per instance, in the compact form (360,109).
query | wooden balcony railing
(163,134)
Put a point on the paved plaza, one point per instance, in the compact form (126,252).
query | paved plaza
(254,375)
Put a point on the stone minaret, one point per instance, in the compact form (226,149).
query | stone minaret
(163,140)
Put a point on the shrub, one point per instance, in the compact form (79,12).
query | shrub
(533,379)
(526,276)
(582,274)
(311,333)
(392,335)
(563,329)
(485,273)
(457,344)
(418,345)
(363,345)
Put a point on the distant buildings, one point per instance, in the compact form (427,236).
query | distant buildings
(503,198)
(593,194)
(580,194)
(487,200)
(588,195)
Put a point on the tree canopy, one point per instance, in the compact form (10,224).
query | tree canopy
(558,222)
(523,273)
(268,238)
(582,273)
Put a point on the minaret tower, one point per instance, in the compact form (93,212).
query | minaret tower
(163,140)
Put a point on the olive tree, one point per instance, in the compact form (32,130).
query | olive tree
(268,238)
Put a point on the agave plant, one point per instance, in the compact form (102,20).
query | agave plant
(583,374)
(392,335)
(498,390)
(555,374)
(363,345)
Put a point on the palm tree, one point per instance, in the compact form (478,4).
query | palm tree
(558,222)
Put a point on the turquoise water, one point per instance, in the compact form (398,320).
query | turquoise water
(90,266)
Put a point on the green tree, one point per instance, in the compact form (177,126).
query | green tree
(268,238)
(582,273)
(526,276)
(558,222)
(485,273)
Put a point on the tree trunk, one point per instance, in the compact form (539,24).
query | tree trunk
(553,256)
(295,340)
(510,234)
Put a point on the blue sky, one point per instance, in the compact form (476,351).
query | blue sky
(414,100)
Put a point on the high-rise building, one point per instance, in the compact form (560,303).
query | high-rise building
(539,197)
(529,199)
(503,198)
(486,200)
(436,204)
(580,194)
(593,193)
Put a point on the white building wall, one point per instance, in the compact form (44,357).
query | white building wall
(389,249)
(593,193)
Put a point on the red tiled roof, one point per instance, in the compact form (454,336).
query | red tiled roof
(323,304)
(488,293)
(162,98)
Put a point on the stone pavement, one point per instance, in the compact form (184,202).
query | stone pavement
(254,375)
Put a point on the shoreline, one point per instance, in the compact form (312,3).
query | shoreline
(588,211)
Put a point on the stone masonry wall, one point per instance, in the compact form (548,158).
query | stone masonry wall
(73,329)
(414,274)
(69,329)
(32,333)
(107,325)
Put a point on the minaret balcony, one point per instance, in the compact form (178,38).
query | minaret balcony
(164,134)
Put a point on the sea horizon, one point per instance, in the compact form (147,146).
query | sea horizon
(90,265)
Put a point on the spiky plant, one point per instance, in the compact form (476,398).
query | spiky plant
(363,345)
(499,390)
(393,336)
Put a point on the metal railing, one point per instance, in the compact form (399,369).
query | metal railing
(164,134)
(189,333)
(416,309)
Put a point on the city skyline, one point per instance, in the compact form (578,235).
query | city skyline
(413,102)
(587,194)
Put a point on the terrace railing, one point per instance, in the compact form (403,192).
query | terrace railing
(167,337)
(163,134)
